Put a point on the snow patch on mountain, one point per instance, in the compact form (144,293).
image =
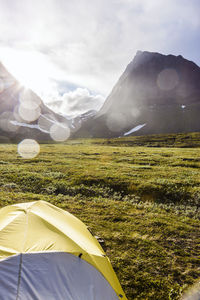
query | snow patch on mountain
(16,123)
(136,128)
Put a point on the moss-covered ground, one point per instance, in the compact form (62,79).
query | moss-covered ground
(143,201)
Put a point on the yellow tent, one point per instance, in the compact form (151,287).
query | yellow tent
(47,253)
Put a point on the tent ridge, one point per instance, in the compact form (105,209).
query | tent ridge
(60,230)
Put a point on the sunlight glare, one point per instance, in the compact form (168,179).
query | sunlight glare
(30,68)
(28,148)
(59,132)
(1,86)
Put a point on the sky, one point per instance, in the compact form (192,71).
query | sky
(71,53)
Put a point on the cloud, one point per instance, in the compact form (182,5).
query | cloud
(91,42)
(76,102)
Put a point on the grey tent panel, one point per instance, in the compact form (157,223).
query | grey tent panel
(9,276)
(52,276)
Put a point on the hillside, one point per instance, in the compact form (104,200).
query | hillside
(143,201)
(179,140)
(23,114)
(156,94)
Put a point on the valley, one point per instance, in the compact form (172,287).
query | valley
(143,201)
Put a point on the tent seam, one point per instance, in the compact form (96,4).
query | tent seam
(26,231)
(19,276)
(82,249)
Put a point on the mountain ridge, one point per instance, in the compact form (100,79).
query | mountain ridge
(161,91)
(156,94)
(23,114)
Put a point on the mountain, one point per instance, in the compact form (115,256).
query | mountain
(24,115)
(156,94)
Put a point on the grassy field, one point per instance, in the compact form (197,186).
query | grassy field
(179,140)
(143,201)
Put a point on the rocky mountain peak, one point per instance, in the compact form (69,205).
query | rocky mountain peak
(157,93)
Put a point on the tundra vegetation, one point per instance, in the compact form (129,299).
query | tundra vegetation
(140,194)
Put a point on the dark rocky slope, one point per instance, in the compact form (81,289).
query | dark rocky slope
(156,94)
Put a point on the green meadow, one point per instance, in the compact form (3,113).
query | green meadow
(140,195)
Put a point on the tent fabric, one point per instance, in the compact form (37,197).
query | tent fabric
(40,227)
(52,276)
(9,271)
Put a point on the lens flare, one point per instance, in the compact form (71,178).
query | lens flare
(167,79)
(6,124)
(59,132)
(193,293)
(45,122)
(29,115)
(16,114)
(28,148)
(116,122)
(134,113)
(29,107)
(1,85)
(29,100)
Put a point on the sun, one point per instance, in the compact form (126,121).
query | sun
(30,68)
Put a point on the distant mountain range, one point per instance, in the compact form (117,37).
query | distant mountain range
(24,115)
(156,94)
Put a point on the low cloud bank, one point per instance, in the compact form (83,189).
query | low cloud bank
(77,102)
